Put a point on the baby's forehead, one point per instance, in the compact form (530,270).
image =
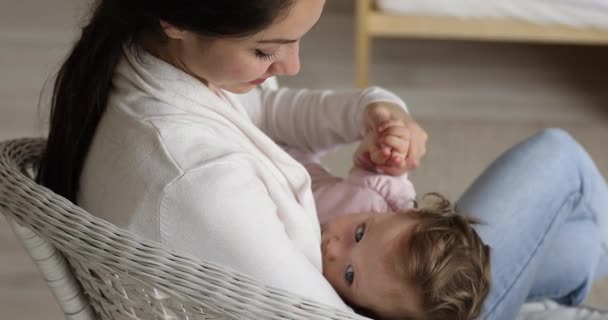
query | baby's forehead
(393,253)
(395,226)
(385,287)
(391,295)
(390,246)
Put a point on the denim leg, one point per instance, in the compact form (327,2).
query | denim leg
(523,200)
(602,268)
(575,250)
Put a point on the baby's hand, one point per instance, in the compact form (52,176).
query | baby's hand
(399,142)
(384,151)
(394,140)
(369,154)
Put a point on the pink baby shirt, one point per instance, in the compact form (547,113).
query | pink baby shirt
(360,191)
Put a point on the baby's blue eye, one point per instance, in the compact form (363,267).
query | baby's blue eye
(349,275)
(359,233)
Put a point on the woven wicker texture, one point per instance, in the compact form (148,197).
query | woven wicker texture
(88,262)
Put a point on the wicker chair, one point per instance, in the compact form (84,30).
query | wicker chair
(98,271)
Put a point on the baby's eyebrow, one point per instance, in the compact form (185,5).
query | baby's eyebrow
(357,282)
(369,222)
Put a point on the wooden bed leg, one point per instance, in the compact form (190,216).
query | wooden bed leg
(363,43)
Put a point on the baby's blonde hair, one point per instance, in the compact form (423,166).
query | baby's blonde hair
(445,262)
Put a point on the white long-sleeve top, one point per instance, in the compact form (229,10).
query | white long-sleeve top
(199,172)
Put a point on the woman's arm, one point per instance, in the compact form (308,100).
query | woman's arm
(223,213)
(314,120)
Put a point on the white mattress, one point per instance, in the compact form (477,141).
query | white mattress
(577,13)
(549,310)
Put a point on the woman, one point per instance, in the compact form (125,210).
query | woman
(148,132)
(155,128)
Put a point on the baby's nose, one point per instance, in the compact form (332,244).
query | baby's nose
(333,248)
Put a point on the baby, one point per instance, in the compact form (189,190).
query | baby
(389,259)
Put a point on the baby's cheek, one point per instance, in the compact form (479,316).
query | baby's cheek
(337,282)
(330,274)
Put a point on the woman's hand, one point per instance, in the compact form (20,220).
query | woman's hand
(394,143)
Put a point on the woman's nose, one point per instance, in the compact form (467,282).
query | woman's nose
(290,64)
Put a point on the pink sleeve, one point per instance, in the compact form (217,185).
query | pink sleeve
(361,191)
(334,196)
(398,192)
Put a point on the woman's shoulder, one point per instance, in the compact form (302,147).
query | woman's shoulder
(190,142)
(178,137)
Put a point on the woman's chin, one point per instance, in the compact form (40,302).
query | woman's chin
(239,88)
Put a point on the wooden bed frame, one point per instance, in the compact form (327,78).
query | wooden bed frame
(372,22)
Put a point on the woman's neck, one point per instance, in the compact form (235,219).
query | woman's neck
(163,52)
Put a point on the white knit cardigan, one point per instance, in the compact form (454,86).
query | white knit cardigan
(175,163)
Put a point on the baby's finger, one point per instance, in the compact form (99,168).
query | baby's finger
(398,132)
(414,156)
(379,155)
(389,124)
(399,145)
(386,150)
(398,158)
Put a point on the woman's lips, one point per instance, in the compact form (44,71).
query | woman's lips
(258,81)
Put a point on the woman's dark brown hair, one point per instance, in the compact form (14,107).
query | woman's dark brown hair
(84,81)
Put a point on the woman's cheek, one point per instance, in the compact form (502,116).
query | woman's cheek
(248,68)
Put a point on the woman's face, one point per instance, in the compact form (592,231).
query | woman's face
(238,65)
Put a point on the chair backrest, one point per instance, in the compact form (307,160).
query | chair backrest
(50,262)
(97,270)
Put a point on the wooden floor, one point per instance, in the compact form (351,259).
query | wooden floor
(474,99)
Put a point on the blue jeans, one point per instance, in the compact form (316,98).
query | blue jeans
(544,212)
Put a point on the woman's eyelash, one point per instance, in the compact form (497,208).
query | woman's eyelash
(265,56)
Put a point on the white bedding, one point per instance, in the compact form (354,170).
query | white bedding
(549,310)
(577,13)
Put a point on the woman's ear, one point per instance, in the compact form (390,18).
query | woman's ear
(171,31)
